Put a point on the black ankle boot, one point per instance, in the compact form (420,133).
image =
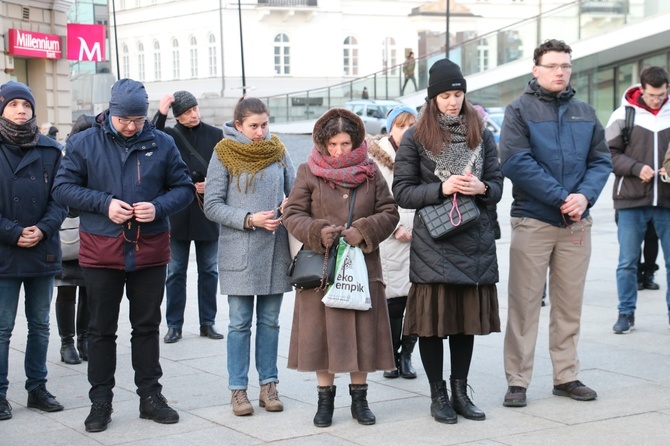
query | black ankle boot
(462,403)
(65,322)
(83,318)
(648,280)
(440,408)
(405,363)
(359,404)
(325,407)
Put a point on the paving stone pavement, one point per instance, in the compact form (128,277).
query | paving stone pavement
(630,373)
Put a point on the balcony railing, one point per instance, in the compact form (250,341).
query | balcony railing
(288,3)
(572,22)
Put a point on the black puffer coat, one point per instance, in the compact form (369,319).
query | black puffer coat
(467,258)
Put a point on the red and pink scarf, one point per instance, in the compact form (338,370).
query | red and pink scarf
(348,170)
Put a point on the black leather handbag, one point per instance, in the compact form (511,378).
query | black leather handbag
(455,214)
(310,269)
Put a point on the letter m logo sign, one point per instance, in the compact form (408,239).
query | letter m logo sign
(86,42)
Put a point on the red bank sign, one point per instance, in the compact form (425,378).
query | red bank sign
(32,44)
(86,42)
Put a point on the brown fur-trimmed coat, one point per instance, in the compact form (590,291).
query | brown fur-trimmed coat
(335,340)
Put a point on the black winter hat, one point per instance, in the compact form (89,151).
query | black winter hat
(445,75)
(129,98)
(15,90)
(183,100)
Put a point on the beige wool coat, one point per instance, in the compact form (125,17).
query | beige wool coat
(329,339)
(394,253)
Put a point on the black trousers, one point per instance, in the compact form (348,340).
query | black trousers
(144,289)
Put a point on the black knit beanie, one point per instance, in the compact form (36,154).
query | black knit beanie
(445,75)
(183,100)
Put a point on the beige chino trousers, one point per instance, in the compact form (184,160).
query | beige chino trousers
(536,246)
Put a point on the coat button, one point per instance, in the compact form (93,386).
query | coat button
(16,199)
(32,177)
(345,196)
(34,200)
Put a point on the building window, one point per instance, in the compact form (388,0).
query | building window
(389,55)
(157,61)
(350,56)
(483,54)
(282,55)
(175,59)
(212,55)
(140,62)
(193,52)
(125,61)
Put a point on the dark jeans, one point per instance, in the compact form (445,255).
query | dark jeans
(208,277)
(144,289)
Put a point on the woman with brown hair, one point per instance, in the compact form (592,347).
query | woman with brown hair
(328,340)
(453,292)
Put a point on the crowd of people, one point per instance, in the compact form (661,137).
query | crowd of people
(141,192)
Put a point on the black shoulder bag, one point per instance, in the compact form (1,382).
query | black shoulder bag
(310,269)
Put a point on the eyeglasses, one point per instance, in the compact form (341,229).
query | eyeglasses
(138,122)
(555,67)
(656,97)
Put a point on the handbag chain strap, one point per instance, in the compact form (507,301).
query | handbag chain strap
(324,272)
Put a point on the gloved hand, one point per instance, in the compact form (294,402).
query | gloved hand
(352,236)
(329,235)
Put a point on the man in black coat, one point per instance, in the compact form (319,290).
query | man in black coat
(196,141)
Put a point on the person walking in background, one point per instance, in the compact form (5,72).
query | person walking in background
(365,94)
(394,251)
(453,293)
(248,179)
(196,141)
(29,246)
(639,195)
(126,179)
(329,340)
(553,149)
(408,70)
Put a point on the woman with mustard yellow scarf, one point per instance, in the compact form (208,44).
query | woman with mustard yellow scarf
(249,177)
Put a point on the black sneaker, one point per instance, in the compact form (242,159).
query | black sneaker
(5,409)
(100,417)
(624,324)
(40,398)
(155,407)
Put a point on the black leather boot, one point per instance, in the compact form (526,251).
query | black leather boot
(396,337)
(440,408)
(648,280)
(405,363)
(359,404)
(462,403)
(65,322)
(83,317)
(325,407)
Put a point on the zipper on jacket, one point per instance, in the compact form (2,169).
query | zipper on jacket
(46,177)
(618,188)
(139,177)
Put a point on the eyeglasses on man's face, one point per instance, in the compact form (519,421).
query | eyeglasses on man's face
(655,97)
(555,66)
(126,121)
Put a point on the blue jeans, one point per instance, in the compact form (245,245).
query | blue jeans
(38,292)
(208,276)
(241,313)
(632,225)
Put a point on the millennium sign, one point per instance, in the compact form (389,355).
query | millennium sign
(32,44)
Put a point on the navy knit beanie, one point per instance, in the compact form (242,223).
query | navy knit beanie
(129,98)
(443,76)
(183,101)
(15,90)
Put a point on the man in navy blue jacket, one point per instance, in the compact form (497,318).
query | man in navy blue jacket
(553,149)
(126,179)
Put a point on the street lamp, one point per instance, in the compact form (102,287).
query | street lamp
(244,81)
(116,42)
(446,49)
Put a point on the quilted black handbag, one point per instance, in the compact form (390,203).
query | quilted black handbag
(455,214)
(310,269)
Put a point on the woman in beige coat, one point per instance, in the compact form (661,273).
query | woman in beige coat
(394,251)
(328,340)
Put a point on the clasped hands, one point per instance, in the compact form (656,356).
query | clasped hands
(463,184)
(329,235)
(120,211)
(574,206)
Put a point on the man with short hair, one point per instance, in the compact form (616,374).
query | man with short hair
(639,194)
(553,150)
(196,141)
(126,179)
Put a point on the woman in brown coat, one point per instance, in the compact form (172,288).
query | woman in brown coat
(327,340)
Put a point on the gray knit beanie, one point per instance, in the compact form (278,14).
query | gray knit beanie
(183,100)
(129,98)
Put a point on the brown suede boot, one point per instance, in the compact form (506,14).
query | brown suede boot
(269,398)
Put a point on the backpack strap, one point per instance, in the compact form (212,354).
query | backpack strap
(628,125)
